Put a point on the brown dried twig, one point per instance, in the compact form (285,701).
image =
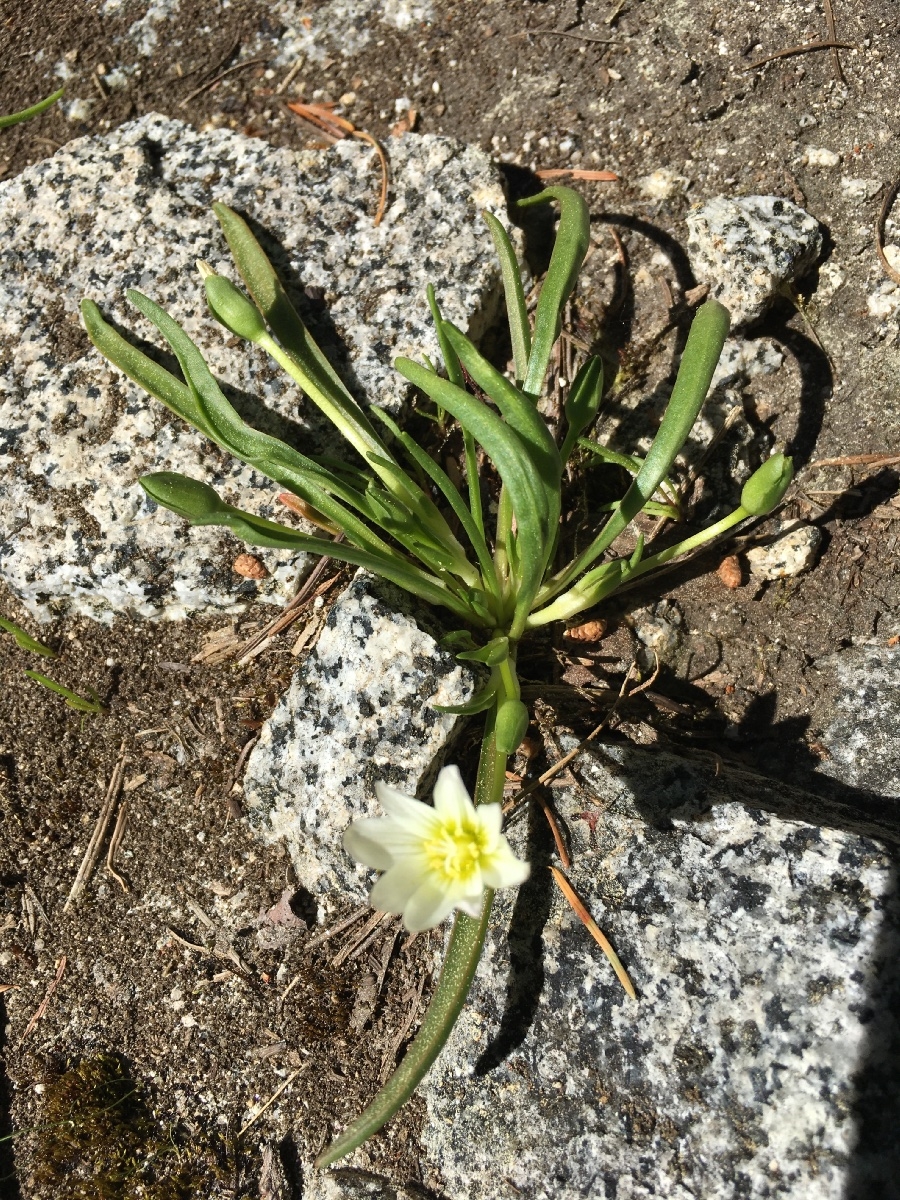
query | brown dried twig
(42,1007)
(93,849)
(794,50)
(562,763)
(250,62)
(322,118)
(271,1100)
(115,842)
(857,460)
(578,173)
(832,33)
(594,930)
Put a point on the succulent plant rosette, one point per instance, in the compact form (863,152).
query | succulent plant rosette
(487,552)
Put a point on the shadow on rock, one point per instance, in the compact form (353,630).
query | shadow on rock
(526,951)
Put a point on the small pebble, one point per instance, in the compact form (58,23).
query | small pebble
(730,571)
(249,566)
(590,631)
(793,551)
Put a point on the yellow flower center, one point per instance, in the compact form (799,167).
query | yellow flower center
(455,853)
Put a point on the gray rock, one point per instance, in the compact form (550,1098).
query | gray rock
(132,210)
(358,710)
(752,943)
(793,549)
(861,718)
(747,249)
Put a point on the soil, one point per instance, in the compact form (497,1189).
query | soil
(530,83)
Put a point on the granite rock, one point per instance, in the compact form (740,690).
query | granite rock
(861,717)
(792,549)
(360,709)
(752,943)
(131,209)
(748,248)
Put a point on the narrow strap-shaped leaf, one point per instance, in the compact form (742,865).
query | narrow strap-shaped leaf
(212,413)
(266,289)
(201,505)
(24,640)
(442,480)
(473,481)
(300,356)
(480,702)
(572,240)
(698,363)
(582,403)
(513,463)
(516,309)
(143,371)
(520,413)
(451,362)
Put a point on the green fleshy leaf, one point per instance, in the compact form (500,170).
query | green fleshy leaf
(442,480)
(520,414)
(479,703)
(582,403)
(495,652)
(451,362)
(572,240)
(71,698)
(143,371)
(24,640)
(698,363)
(513,463)
(201,505)
(516,308)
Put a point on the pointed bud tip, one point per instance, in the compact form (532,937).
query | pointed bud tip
(766,487)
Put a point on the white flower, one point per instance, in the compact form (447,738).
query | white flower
(434,859)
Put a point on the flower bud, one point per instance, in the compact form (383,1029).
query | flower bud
(232,309)
(766,487)
(511,725)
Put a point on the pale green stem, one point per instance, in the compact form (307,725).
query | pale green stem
(463,953)
(691,543)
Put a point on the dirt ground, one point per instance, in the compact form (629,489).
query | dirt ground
(635,86)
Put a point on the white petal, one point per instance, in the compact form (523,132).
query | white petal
(429,905)
(471,905)
(491,818)
(451,800)
(502,868)
(364,840)
(393,890)
(413,813)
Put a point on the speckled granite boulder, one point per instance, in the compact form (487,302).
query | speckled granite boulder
(747,249)
(861,718)
(760,951)
(132,210)
(359,710)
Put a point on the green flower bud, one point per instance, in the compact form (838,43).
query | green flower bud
(232,309)
(511,725)
(766,487)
